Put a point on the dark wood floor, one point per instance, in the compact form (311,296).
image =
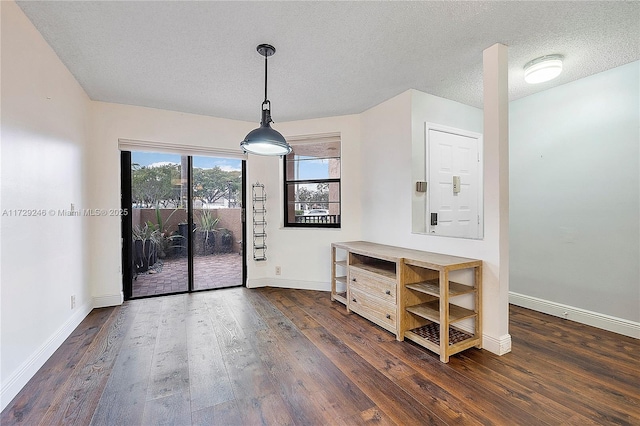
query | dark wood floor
(279,357)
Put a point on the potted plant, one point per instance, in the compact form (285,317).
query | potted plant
(165,240)
(206,233)
(145,243)
(181,239)
(226,240)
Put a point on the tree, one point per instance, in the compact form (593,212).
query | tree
(151,186)
(234,187)
(313,198)
(212,184)
(162,185)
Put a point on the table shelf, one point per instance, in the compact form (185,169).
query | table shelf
(410,286)
(431,333)
(432,287)
(431,311)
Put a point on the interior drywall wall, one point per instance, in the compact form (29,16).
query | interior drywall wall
(434,110)
(387,170)
(393,159)
(575,209)
(393,152)
(44,252)
(304,254)
(111,122)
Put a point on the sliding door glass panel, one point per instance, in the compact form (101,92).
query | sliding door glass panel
(217,218)
(160,231)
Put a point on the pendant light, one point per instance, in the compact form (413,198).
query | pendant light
(264,140)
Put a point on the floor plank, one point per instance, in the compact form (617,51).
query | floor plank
(209,383)
(292,357)
(458,390)
(31,404)
(75,401)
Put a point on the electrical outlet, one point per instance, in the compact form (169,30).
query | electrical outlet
(278,270)
(73,301)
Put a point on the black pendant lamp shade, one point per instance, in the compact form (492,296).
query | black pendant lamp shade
(264,140)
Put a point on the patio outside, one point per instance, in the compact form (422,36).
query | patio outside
(160,259)
(161,186)
(209,272)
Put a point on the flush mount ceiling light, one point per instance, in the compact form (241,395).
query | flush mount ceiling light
(543,69)
(264,140)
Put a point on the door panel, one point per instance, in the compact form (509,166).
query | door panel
(159,223)
(217,261)
(185,229)
(453,155)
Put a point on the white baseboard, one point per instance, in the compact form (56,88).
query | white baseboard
(31,365)
(108,300)
(255,283)
(498,346)
(293,284)
(583,316)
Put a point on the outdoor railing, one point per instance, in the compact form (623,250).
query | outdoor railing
(329,218)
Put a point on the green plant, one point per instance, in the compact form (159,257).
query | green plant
(160,225)
(163,238)
(207,222)
(150,239)
(148,232)
(207,228)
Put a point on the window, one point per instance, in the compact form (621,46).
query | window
(312,183)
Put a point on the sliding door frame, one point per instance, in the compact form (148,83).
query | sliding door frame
(126,224)
(126,202)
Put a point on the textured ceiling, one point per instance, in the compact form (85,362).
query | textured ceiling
(333,58)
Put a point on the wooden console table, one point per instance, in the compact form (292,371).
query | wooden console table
(409,293)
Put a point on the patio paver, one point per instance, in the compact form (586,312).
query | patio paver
(209,272)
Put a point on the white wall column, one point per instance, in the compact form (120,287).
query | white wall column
(496,197)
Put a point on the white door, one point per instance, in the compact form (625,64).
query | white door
(454,183)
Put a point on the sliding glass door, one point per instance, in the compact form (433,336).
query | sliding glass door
(184,231)
(217,217)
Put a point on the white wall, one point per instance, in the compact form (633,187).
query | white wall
(393,152)
(44,151)
(575,209)
(386,170)
(435,110)
(393,159)
(304,254)
(111,122)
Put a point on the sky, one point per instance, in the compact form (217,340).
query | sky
(158,159)
(316,169)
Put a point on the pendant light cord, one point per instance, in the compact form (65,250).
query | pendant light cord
(265,78)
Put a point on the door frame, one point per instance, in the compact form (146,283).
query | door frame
(126,204)
(460,132)
(126,224)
